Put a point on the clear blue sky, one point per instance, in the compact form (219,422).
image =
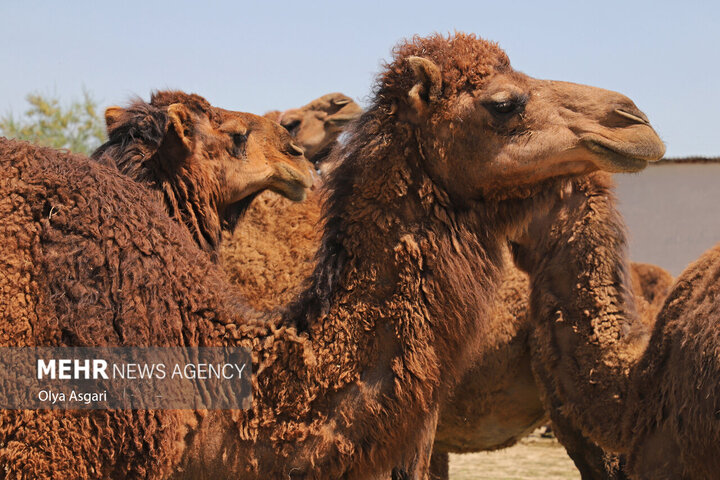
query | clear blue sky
(257,56)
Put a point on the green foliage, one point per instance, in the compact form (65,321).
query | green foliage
(78,127)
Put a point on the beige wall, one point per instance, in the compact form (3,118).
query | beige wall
(672,212)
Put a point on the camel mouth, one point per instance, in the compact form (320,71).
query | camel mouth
(625,156)
(293,181)
(611,161)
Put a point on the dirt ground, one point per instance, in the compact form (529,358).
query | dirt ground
(531,459)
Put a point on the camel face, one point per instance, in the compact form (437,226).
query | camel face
(320,122)
(508,130)
(256,153)
(519,130)
(237,153)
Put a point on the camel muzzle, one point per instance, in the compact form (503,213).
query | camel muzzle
(626,149)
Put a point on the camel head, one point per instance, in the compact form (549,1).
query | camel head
(233,154)
(483,128)
(317,125)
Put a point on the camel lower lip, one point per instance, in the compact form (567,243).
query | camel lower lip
(295,175)
(292,191)
(614,161)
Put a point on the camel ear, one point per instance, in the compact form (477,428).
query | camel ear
(179,127)
(112,117)
(428,83)
(273,115)
(177,144)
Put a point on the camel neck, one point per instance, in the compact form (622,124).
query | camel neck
(195,209)
(588,333)
(398,259)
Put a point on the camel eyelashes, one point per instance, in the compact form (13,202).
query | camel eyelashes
(239,139)
(507,107)
(504,107)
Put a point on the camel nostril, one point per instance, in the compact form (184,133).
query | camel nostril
(296,150)
(639,118)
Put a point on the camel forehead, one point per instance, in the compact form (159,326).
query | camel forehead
(231,121)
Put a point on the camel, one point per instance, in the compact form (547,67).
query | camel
(317,125)
(275,229)
(347,382)
(498,401)
(652,396)
(178,146)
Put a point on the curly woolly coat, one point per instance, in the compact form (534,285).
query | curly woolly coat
(104,264)
(654,397)
(272,255)
(497,402)
(348,383)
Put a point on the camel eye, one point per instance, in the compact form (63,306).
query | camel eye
(504,107)
(290,127)
(239,143)
(507,106)
(239,139)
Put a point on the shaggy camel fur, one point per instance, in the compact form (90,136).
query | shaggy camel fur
(497,402)
(273,281)
(656,399)
(206,164)
(348,383)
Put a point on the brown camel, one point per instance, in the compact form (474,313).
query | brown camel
(69,198)
(318,124)
(653,397)
(206,164)
(276,229)
(347,384)
(497,402)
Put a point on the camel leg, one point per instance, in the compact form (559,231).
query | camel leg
(440,466)
(416,465)
(593,462)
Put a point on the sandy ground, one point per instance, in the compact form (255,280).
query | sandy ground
(533,458)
